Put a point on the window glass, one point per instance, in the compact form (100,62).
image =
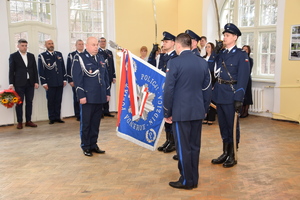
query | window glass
(268,12)
(247,13)
(30,10)
(86,19)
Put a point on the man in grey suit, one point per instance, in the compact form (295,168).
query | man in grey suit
(23,77)
(187,96)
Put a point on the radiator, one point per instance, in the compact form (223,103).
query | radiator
(257,97)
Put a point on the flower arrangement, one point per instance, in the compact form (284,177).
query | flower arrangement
(9,98)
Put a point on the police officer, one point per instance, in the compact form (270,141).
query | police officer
(90,78)
(79,49)
(195,40)
(110,64)
(232,72)
(53,78)
(194,47)
(168,46)
(187,96)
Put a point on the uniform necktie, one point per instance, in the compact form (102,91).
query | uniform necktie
(94,58)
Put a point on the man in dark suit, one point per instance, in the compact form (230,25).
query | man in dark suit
(79,49)
(232,70)
(168,46)
(53,78)
(90,78)
(187,96)
(23,76)
(110,64)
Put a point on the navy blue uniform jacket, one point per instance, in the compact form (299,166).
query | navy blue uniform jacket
(69,65)
(110,64)
(90,78)
(164,58)
(186,74)
(52,69)
(237,63)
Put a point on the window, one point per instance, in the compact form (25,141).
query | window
(257,21)
(31,20)
(30,10)
(86,19)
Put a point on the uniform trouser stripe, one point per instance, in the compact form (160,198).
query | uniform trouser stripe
(187,135)
(179,151)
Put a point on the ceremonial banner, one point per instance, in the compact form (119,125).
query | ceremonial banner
(140,111)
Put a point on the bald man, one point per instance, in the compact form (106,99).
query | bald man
(53,78)
(92,86)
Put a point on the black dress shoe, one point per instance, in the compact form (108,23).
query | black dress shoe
(60,121)
(175,157)
(97,150)
(87,152)
(180,186)
(161,148)
(169,148)
(51,122)
(108,115)
(195,186)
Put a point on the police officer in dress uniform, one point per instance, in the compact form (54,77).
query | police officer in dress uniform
(92,85)
(79,49)
(110,64)
(168,45)
(232,72)
(195,40)
(53,78)
(109,60)
(187,96)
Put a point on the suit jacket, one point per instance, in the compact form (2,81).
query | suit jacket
(90,78)
(237,64)
(18,70)
(187,91)
(110,64)
(52,69)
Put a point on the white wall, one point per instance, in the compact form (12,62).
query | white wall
(6,115)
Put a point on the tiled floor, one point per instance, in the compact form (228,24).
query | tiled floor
(47,163)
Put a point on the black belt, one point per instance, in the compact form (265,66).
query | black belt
(228,82)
